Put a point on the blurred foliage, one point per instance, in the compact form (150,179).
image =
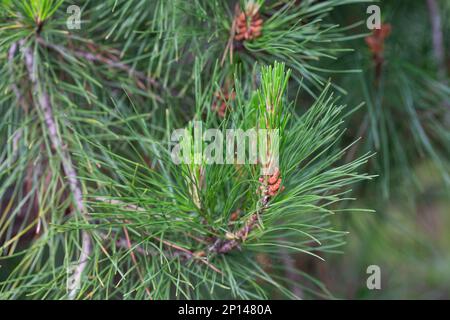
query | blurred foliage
(409,242)
(138,69)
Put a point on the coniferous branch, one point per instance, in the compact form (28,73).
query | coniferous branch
(295,33)
(139,69)
(155,223)
(189,253)
(42,101)
(86,122)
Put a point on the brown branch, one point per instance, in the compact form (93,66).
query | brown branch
(235,239)
(230,47)
(44,104)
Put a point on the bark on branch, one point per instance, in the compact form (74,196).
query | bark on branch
(43,102)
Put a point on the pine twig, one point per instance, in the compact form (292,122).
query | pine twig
(225,246)
(230,47)
(44,104)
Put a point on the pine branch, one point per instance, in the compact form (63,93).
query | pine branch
(225,246)
(159,230)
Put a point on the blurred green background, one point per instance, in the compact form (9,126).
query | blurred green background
(408,236)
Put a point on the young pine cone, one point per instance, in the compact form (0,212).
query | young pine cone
(376,40)
(248,24)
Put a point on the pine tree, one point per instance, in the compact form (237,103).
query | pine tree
(93,205)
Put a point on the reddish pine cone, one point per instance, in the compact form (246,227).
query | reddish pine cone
(273,184)
(376,40)
(248,24)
